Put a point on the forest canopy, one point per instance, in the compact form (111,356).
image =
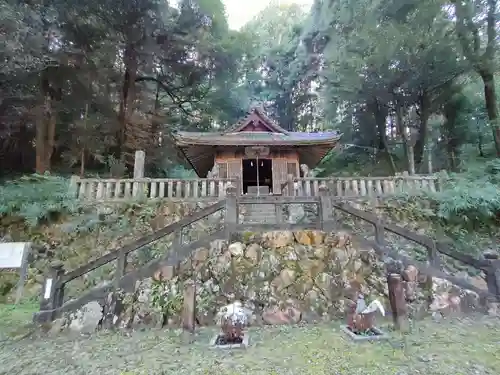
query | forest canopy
(412,85)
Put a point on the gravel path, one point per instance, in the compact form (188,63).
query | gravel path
(462,346)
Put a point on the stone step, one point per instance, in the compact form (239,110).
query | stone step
(260,218)
(260,213)
(257,218)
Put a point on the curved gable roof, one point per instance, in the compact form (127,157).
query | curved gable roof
(255,129)
(256,115)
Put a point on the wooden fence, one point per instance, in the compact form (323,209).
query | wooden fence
(195,189)
(366,186)
(151,188)
(52,304)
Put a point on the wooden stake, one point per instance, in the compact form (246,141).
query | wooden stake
(189,309)
(398,302)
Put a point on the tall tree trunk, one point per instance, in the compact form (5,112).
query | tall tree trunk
(491,107)
(479,139)
(51,133)
(450,114)
(471,36)
(411,159)
(82,162)
(380,113)
(41,134)
(127,98)
(408,147)
(82,153)
(424,114)
(45,134)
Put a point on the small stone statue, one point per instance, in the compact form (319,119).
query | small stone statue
(306,171)
(233,319)
(410,276)
(361,318)
(234,312)
(214,172)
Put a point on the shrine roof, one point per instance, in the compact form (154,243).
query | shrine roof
(255,129)
(254,138)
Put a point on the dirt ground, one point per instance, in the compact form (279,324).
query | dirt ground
(459,346)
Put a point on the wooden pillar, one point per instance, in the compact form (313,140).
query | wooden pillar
(232,214)
(379,233)
(73,186)
(278,211)
(493,274)
(290,187)
(53,290)
(397,301)
(325,208)
(121,267)
(139,163)
(189,308)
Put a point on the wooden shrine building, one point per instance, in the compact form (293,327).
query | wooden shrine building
(255,150)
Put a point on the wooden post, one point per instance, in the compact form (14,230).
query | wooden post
(493,274)
(410,277)
(325,208)
(433,256)
(238,185)
(53,291)
(189,308)
(139,163)
(121,266)
(73,186)
(290,187)
(23,271)
(178,240)
(397,300)
(231,218)
(379,233)
(442,180)
(278,212)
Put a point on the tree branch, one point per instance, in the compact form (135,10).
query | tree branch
(177,101)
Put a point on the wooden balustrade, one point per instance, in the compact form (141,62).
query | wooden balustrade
(195,189)
(365,186)
(151,188)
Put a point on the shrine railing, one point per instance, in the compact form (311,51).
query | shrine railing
(364,186)
(149,188)
(215,188)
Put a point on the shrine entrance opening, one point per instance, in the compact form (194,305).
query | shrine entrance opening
(257,176)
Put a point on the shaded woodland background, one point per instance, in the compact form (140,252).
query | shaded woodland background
(84,84)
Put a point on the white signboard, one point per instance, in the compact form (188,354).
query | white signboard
(257,152)
(15,255)
(12,254)
(48,287)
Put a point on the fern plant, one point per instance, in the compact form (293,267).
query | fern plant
(467,202)
(36,198)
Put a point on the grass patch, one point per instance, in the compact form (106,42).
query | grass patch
(466,346)
(16,320)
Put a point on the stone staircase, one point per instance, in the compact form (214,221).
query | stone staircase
(259,213)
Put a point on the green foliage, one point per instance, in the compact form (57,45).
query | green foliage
(165,297)
(467,202)
(492,168)
(8,281)
(16,320)
(37,198)
(179,171)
